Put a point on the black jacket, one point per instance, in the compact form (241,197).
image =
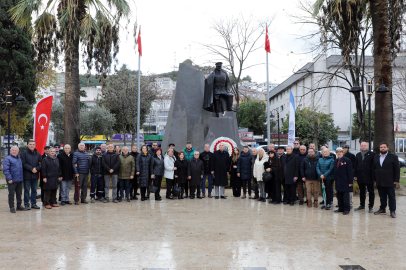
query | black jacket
(207,158)
(363,168)
(244,166)
(96,164)
(301,158)
(273,165)
(343,174)
(157,166)
(181,171)
(135,155)
(51,171)
(351,157)
(387,174)
(235,181)
(65,162)
(31,160)
(142,166)
(291,168)
(220,166)
(308,168)
(254,157)
(195,169)
(111,160)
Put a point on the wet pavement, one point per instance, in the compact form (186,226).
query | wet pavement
(199,234)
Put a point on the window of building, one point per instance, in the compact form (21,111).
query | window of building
(281,108)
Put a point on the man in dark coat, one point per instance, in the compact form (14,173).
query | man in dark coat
(386,175)
(111,164)
(80,162)
(301,156)
(220,168)
(244,171)
(195,171)
(41,183)
(363,175)
(217,96)
(317,153)
(96,175)
(51,176)
(291,167)
(308,173)
(134,182)
(31,160)
(344,175)
(280,176)
(65,162)
(350,156)
(207,158)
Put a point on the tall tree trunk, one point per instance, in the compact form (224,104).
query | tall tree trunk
(72,95)
(382,67)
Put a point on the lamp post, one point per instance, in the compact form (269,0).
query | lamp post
(277,114)
(8,93)
(356,89)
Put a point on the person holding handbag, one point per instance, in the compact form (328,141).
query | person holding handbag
(169,164)
(181,172)
(258,172)
(157,169)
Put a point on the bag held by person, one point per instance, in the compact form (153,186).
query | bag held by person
(266,177)
(153,189)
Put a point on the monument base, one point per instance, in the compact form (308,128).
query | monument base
(223,126)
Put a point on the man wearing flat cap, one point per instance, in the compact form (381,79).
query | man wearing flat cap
(344,176)
(217,96)
(175,153)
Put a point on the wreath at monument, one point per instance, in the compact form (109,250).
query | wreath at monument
(228,143)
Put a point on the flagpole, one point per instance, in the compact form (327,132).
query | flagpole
(268,127)
(139,101)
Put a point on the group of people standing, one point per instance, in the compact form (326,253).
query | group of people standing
(300,167)
(186,173)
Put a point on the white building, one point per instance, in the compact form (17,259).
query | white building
(310,88)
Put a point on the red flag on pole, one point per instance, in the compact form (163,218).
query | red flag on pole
(41,122)
(139,42)
(267,46)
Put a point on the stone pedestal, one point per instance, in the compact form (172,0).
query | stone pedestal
(223,126)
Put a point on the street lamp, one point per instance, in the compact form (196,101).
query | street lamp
(381,89)
(277,114)
(9,99)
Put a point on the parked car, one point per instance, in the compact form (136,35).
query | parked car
(402,162)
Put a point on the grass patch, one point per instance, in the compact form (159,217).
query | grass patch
(402,177)
(3,186)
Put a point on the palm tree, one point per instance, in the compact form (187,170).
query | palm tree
(387,18)
(61,27)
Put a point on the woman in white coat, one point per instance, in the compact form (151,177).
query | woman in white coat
(258,171)
(169,164)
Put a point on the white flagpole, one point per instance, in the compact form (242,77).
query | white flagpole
(139,101)
(268,127)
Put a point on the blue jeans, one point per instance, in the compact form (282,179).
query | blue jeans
(30,185)
(210,177)
(125,183)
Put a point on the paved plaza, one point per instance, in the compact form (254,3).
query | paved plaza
(200,234)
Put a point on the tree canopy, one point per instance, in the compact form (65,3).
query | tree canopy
(312,126)
(253,116)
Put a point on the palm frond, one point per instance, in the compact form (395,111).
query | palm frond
(43,24)
(21,13)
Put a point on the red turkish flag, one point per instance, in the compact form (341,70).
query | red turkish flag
(139,42)
(41,122)
(267,46)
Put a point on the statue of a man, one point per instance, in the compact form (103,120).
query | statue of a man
(217,96)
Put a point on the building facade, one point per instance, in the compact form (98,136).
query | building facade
(313,87)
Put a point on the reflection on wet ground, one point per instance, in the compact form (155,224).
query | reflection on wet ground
(199,234)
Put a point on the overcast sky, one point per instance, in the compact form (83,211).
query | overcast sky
(181,25)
